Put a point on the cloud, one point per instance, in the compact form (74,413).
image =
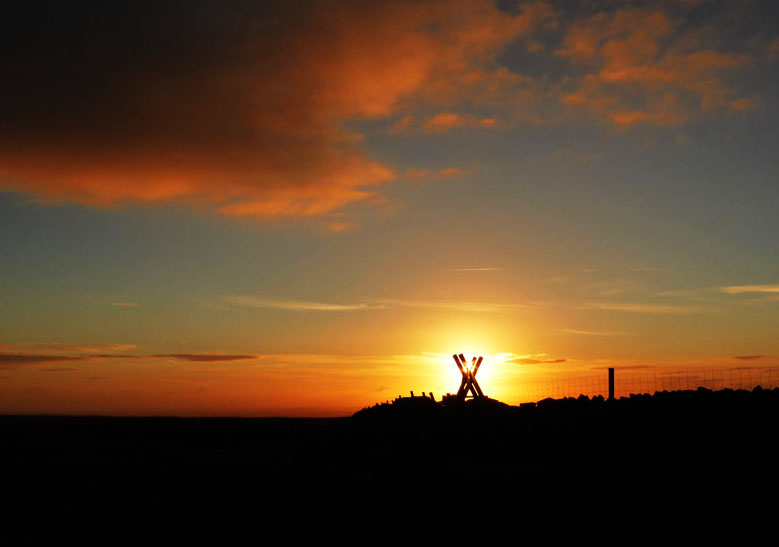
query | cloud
(640,67)
(485,269)
(444,121)
(348,364)
(340,226)
(682,293)
(742,104)
(245,108)
(237,107)
(595,332)
(31,358)
(67,353)
(380,304)
(297,305)
(455,306)
(80,348)
(205,357)
(751,289)
(441,122)
(530,361)
(749,357)
(633,307)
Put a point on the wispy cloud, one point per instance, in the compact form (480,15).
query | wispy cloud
(634,307)
(337,226)
(751,289)
(444,121)
(683,293)
(596,332)
(749,357)
(485,269)
(455,306)
(205,357)
(50,353)
(531,361)
(31,358)
(21,355)
(125,304)
(297,305)
(81,348)
(380,304)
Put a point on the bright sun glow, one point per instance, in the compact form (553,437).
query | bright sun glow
(494,372)
(498,376)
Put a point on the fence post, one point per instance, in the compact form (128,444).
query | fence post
(611,383)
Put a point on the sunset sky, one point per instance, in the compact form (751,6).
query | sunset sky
(302,208)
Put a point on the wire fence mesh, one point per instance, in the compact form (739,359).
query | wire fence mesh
(627,383)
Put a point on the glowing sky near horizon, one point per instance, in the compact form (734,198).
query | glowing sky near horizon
(241,208)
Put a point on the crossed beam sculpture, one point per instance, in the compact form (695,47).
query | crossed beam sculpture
(468,382)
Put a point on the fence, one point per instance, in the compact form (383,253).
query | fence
(632,382)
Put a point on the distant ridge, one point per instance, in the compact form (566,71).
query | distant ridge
(682,401)
(418,407)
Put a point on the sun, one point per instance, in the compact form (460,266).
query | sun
(474,339)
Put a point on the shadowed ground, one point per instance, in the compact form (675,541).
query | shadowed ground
(685,457)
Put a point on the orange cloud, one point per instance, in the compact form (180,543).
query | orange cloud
(445,121)
(641,70)
(241,112)
(245,112)
(750,289)
(439,123)
(742,104)
(339,226)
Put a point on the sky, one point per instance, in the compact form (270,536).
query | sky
(299,209)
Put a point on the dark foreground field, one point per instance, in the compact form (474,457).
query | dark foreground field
(688,458)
